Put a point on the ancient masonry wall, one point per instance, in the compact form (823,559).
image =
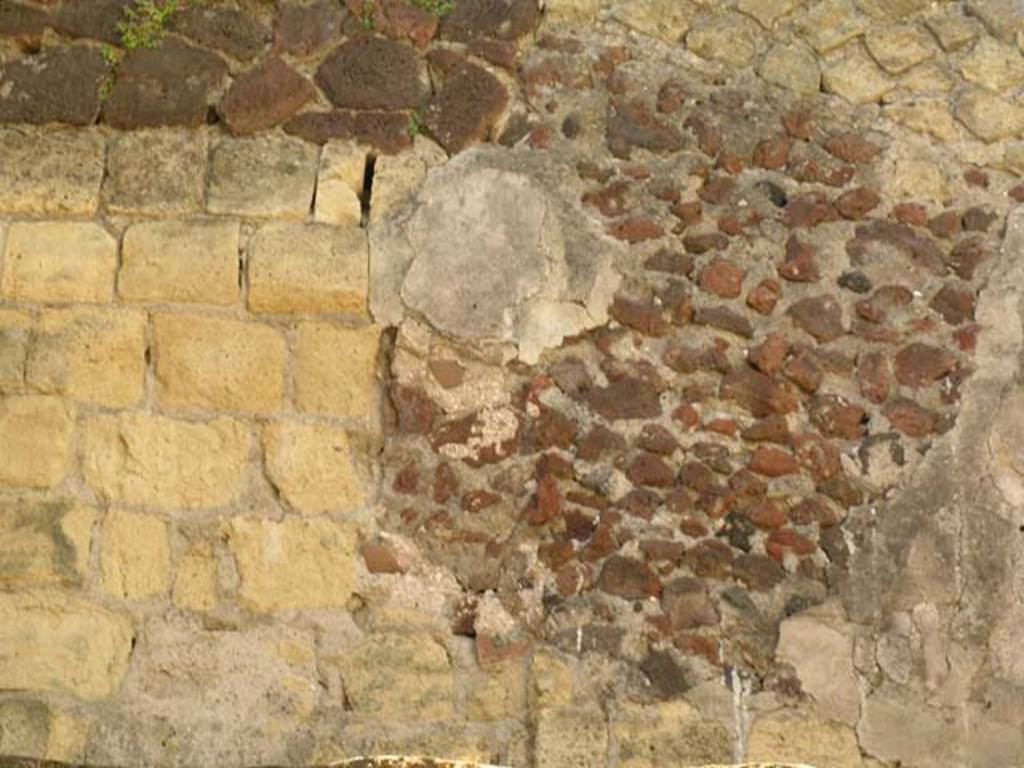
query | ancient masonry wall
(622,383)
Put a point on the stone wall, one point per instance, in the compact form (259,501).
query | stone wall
(627,384)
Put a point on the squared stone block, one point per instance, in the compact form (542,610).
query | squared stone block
(89,355)
(15,328)
(44,542)
(312,268)
(35,432)
(159,172)
(218,364)
(268,176)
(194,262)
(59,262)
(335,370)
(47,172)
(135,561)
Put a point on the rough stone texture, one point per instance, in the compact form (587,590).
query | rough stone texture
(59,262)
(372,73)
(466,109)
(44,543)
(57,85)
(270,176)
(264,97)
(51,642)
(790,738)
(135,561)
(159,172)
(339,185)
(295,563)
(173,463)
(229,30)
(335,370)
(536,286)
(312,467)
(316,268)
(180,261)
(218,365)
(37,433)
(571,737)
(50,173)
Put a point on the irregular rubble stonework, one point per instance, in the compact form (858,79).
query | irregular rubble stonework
(612,383)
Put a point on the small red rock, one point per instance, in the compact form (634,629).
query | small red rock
(628,578)
(649,469)
(702,243)
(764,296)
(947,224)
(767,356)
(722,278)
(919,364)
(955,303)
(914,214)
(717,189)
(380,558)
(910,418)
(772,462)
(770,429)
(772,154)
(851,148)
(642,316)
(836,417)
(874,375)
(804,371)
(801,264)
(636,229)
(766,514)
(819,316)
(687,212)
(857,203)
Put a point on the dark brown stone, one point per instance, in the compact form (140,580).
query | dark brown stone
(626,398)
(387,132)
(97,19)
(688,212)
(466,109)
(649,469)
(851,148)
(770,461)
(920,250)
(20,20)
(228,30)
(955,303)
(500,53)
(767,514)
(642,316)
(767,356)
(167,85)
(918,365)
(57,85)
(757,393)
(372,73)
(710,558)
(398,19)
(414,410)
(857,203)
(657,439)
(610,200)
(947,224)
(635,229)
(304,29)
(717,189)
(672,262)
(820,316)
(724,319)
(836,417)
(501,19)
(758,572)
(978,219)
(633,125)
(702,243)
(709,137)
(910,418)
(874,375)
(770,429)
(598,441)
(628,578)
(446,484)
(966,256)
(809,211)
(804,371)
(264,97)
(801,264)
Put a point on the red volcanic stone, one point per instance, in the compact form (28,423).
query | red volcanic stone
(549,498)
(767,514)
(466,109)
(804,371)
(634,126)
(758,572)
(918,364)
(772,462)
(380,558)
(598,441)
(967,337)
(836,417)
(684,359)
(966,256)
(717,189)
(672,262)
(686,415)
(813,172)
(671,96)
(55,85)
(757,393)
(724,319)
(399,19)
(408,479)
(555,554)
(305,29)
(914,214)
(386,131)
(976,177)
(910,418)
(772,154)
(703,243)
(745,483)
(636,229)
(770,429)
(799,124)
(814,509)
(819,316)
(709,137)
(722,278)
(414,410)
(642,316)
(168,85)
(841,489)
(610,200)
(947,224)
(955,303)
(874,376)
(446,484)
(851,148)
(722,426)
(817,455)
(764,296)
(786,538)
(649,469)
(801,264)
(628,578)
(920,250)
(662,550)
(502,19)
(657,439)
(626,398)
(710,558)
(767,356)
(809,211)
(688,212)
(685,601)
(372,73)
(233,31)
(479,500)
(857,203)
(264,97)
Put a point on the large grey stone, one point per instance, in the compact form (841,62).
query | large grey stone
(494,248)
